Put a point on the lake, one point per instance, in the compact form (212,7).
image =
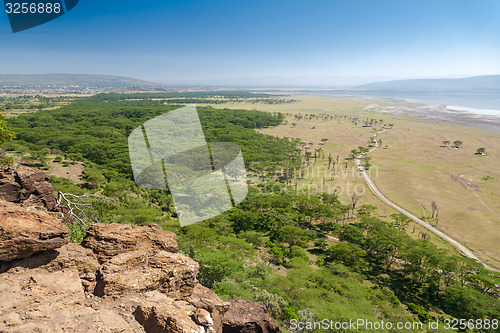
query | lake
(488,104)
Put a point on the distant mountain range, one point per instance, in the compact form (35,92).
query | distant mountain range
(489,84)
(55,81)
(477,84)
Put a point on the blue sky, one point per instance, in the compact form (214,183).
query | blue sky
(271,42)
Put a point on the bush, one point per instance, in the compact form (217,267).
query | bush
(215,266)
(7,161)
(423,316)
(289,314)
(278,254)
(275,303)
(253,237)
(76,233)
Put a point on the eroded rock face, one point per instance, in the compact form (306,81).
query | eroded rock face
(248,317)
(108,240)
(170,273)
(23,233)
(28,186)
(68,256)
(139,286)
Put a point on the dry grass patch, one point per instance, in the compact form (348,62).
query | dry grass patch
(413,171)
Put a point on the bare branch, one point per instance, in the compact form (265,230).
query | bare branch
(81,207)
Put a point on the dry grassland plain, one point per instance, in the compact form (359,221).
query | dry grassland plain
(413,170)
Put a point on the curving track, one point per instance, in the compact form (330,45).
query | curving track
(465,251)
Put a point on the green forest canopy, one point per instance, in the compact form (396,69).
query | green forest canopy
(97,129)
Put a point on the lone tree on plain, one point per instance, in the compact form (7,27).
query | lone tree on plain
(446,143)
(457,143)
(434,208)
(354,152)
(481,151)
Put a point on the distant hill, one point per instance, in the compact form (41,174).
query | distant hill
(38,81)
(477,84)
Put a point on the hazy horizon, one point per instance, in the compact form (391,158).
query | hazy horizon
(297,81)
(268,82)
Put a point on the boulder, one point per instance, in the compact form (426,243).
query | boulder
(23,233)
(108,240)
(29,186)
(206,299)
(170,273)
(74,256)
(248,317)
(172,318)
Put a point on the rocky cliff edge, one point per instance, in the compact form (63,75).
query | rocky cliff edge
(122,278)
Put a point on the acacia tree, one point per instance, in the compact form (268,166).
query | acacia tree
(293,236)
(354,152)
(401,221)
(347,254)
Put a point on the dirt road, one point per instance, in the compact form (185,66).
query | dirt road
(465,251)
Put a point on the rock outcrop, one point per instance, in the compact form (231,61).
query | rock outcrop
(108,240)
(68,256)
(206,299)
(121,279)
(248,317)
(169,317)
(23,233)
(27,186)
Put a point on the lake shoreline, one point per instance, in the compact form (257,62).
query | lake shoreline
(430,111)
(483,119)
(441,113)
